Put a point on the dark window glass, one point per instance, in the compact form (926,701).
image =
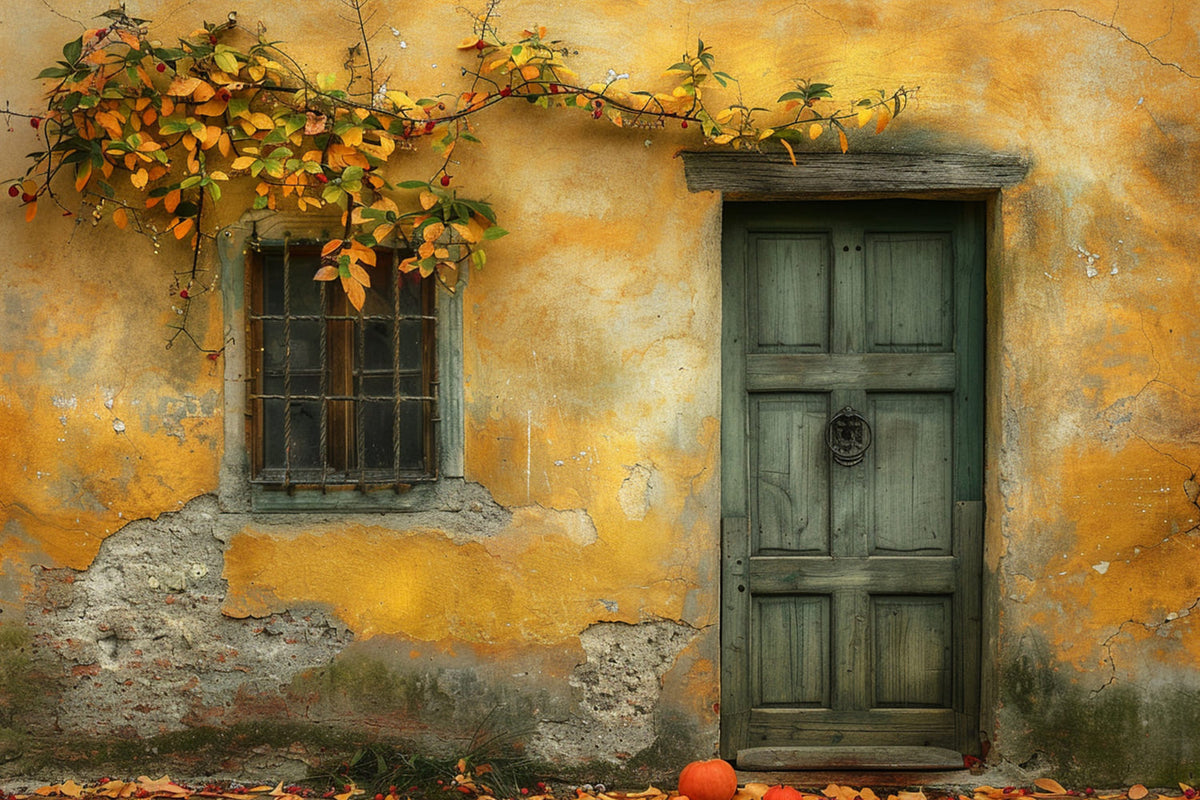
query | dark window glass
(339,396)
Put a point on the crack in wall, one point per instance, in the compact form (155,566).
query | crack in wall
(1111,25)
(1151,627)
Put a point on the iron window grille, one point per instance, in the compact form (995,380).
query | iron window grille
(339,398)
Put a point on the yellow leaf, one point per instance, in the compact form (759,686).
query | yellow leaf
(815,130)
(845,144)
(1050,785)
(724,115)
(433,231)
(352,137)
(468,43)
(139,178)
(428,200)
(766,133)
(326,273)
(261,121)
(120,218)
(183,227)
(1137,792)
(791,152)
(864,115)
(724,138)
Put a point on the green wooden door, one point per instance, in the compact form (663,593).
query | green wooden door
(850,600)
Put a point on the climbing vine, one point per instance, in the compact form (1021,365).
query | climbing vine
(178,122)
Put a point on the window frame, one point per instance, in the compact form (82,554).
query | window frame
(238,489)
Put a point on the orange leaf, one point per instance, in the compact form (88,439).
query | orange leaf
(815,130)
(326,273)
(171,200)
(885,117)
(120,218)
(791,152)
(82,175)
(1050,785)
(1137,792)
(359,274)
(331,246)
(356,295)
(842,140)
(183,227)
(30,211)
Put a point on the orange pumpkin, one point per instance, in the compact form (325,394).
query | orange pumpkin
(708,780)
(782,793)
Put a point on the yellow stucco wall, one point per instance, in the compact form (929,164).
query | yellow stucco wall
(592,341)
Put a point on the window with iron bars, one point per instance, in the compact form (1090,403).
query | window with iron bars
(339,398)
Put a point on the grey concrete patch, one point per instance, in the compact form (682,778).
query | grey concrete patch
(621,685)
(142,645)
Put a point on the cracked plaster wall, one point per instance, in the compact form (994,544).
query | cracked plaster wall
(591,399)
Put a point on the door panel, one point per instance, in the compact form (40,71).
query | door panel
(850,599)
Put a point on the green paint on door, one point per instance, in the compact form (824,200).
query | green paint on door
(850,594)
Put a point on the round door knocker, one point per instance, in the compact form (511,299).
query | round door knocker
(848,436)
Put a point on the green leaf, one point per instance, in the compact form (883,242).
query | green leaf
(412,185)
(238,105)
(680,66)
(72,50)
(168,126)
(260,202)
(54,72)
(190,181)
(494,232)
(479,258)
(783,98)
(227,62)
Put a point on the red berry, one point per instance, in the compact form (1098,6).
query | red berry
(26,197)
(14,190)
(505,91)
(480,44)
(161,67)
(445,180)
(184,294)
(429,126)
(379,796)
(100,34)
(214,357)
(554,88)
(321,177)
(212,39)
(683,124)
(34,122)
(224,94)
(597,114)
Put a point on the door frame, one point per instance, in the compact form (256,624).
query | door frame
(935,176)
